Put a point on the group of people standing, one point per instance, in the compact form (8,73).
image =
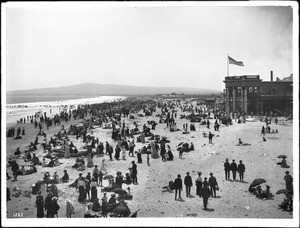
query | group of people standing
(204,188)
(233,167)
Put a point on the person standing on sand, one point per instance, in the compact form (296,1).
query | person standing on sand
(188,183)
(67,151)
(241,170)
(204,192)
(103,167)
(134,172)
(233,167)
(227,169)
(39,203)
(210,136)
(178,187)
(199,183)
(213,184)
(69,208)
(289,182)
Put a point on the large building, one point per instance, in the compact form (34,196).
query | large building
(249,94)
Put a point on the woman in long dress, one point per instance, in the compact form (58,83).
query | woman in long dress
(103,167)
(199,184)
(93,190)
(81,185)
(67,151)
(90,162)
(39,203)
(43,189)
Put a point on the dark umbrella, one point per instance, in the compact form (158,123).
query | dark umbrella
(282,156)
(121,210)
(120,191)
(107,177)
(285,191)
(257,182)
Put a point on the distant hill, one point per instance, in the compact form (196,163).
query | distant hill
(108,90)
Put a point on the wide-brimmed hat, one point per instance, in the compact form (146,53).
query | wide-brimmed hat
(233,160)
(241,161)
(187,172)
(287,172)
(199,172)
(205,178)
(211,174)
(178,175)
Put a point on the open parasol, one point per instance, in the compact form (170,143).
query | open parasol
(257,181)
(282,156)
(120,191)
(284,191)
(108,177)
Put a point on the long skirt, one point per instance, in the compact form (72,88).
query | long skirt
(93,193)
(40,211)
(82,194)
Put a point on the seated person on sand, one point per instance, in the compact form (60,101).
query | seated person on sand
(22,171)
(32,169)
(258,192)
(96,207)
(283,163)
(81,166)
(242,144)
(89,213)
(287,204)
(27,157)
(17,152)
(56,162)
(128,179)
(169,188)
(55,178)
(65,177)
(192,147)
(47,177)
(267,193)
(35,160)
(111,186)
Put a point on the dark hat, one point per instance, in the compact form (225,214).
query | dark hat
(132,162)
(80,174)
(241,161)
(178,175)
(187,172)
(233,160)
(89,173)
(268,186)
(211,174)
(96,165)
(226,159)
(287,172)
(205,178)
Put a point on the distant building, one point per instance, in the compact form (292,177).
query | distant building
(249,94)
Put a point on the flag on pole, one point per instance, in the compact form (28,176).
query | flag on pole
(232,61)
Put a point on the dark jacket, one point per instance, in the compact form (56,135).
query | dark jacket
(178,183)
(204,192)
(188,181)
(241,168)
(227,166)
(212,181)
(233,166)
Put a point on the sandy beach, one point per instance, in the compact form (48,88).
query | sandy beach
(233,199)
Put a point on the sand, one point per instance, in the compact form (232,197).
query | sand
(233,201)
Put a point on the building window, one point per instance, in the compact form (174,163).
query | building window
(250,89)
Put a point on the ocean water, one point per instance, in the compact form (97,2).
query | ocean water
(15,111)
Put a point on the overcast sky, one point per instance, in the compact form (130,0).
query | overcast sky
(182,46)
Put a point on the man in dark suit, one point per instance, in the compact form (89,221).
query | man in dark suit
(188,183)
(233,167)
(241,170)
(213,184)
(178,186)
(205,195)
(227,169)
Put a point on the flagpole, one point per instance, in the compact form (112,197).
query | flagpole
(227,66)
